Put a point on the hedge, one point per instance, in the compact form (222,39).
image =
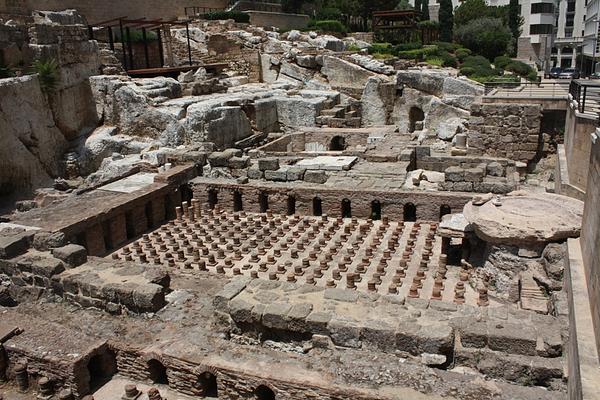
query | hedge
(328,26)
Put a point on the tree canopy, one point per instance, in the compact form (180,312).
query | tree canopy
(446,21)
(486,36)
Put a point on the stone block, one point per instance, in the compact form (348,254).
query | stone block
(495,169)
(268,164)
(147,298)
(345,333)
(295,173)
(239,162)
(463,186)
(512,338)
(229,291)
(378,334)
(47,266)
(255,173)
(275,315)
(347,296)
(72,254)
(474,174)
(240,311)
(436,339)
(279,175)
(44,241)
(454,174)
(315,176)
(12,246)
(407,339)
(297,317)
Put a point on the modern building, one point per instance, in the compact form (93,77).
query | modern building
(538,31)
(568,42)
(590,36)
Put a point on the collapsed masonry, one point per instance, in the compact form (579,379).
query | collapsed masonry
(353,222)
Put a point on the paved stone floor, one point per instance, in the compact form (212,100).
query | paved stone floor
(386,257)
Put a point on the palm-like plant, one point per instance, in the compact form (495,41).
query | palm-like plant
(47,71)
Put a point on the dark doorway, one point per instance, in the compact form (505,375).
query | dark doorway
(186,193)
(208,385)
(107,237)
(263,201)
(317,207)
(375,210)
(101,368)
(169,207)
(414,115)
(158,372)
(237,201)
(338,143)
(213,198)
(291,205)
(129,225)
(346,209)
(410,212)
(264,393)
(149,214)
(444,210)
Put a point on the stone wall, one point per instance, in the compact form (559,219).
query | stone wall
(96,11)
(279,20)
(506,130)
(578,129)
(428,204)
(590,234)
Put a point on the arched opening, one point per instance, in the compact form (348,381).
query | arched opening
(129,225)
(264,393)
(186,193)
(213,198)
(375,210)
(291,205)
(415,115)
(101,368)
(207,384)
(157,372)
(338,143)
(317,207)
(444,210)
(263,201)
(410,212)
(346,209)
(237,201)
(169,207)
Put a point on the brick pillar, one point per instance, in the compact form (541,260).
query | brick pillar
(94,240)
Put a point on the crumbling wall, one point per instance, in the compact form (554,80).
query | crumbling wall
(506,130)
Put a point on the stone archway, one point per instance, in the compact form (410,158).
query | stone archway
(415,114)
(338,143)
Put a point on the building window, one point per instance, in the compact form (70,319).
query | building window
(540,29)
(571,6)
(542,8)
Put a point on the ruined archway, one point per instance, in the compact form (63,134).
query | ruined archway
(410,212)
(101,368)
(317,207)
(415,114)
(346,208)
(207,383)
(338,143)
(263,201)
(213,198)
(237,201)
(157,372)
(291,205)
(264,393)
(375,210)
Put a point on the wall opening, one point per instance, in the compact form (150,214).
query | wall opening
(415,115)
(169,207)
(186,193)
(291,205)
(263,201)
(207,384)
(410,212)
(129,225)
(338,143)
(317,207)
(237,201)
(101,368)
(346,209)
(444,210)
(149,215)
(106,233)
(213,198)
(375,210)
(158,372)
(264,393)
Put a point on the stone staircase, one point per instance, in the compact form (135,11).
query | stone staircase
(341,116)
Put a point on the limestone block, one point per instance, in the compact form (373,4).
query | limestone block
(279,175)
(345,332)
(317,321)
(378,334)
(239,162)
(147,298)
(315,176)
(474,174)
(306,61)
(255,173)
(454,174)
(495,169)
(72,254)
(406,337)
(275,315)
(295,173)
(436,339)
(268,164)
(240,311)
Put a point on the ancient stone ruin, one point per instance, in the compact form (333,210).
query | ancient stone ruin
(286,218)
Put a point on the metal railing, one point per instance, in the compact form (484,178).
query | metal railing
(544,89)
(586,94)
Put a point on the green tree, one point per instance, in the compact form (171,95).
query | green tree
(486,36)
(446,21)
(470,10)
(514,18)
(425,12)
(403,5)
(418,5)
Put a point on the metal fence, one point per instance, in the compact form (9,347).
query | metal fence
(586,93)
(552,89)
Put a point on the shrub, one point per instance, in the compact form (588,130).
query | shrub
(237,16)
(329,26)
(435,61)
(533,76)
(502,61)
(448,59)
(329,13)
(519,68)
(417,54)
(47,71)
(382,48)
(462,54)
(485,36)
(477,66)
(446,46)
(408,46)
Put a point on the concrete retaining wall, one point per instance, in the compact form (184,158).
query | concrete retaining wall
(278,20)
(578,129)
